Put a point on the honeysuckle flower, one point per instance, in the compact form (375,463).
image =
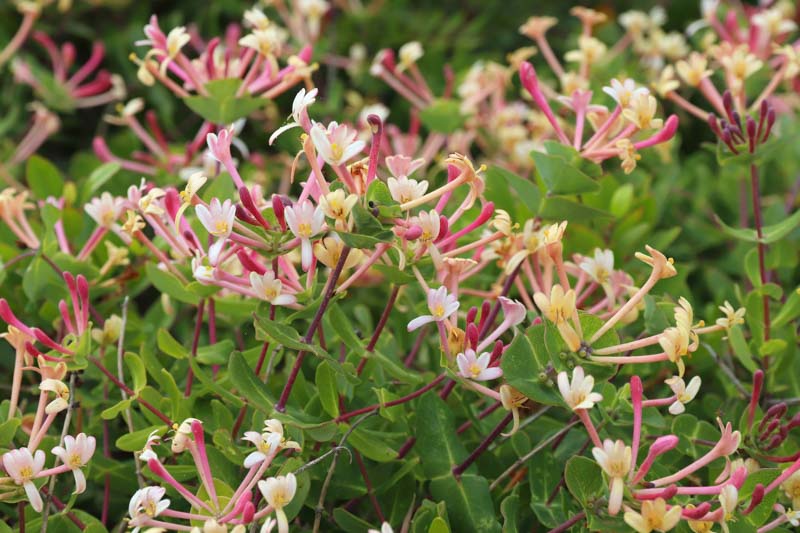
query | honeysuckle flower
(625,91)
(255,18)
(732,317)
(641,112)
(675,343)
(590,50)
(23,467)
(146,504)
(694,69)
(150,203)
(430,223)
(683,393)
(337,204)
(313,10)
(203,272)
(773,22)
(578,393)
(658,261)
(76,453)
(441,305)
(559,308)
(305,221)
(385,528)
(266,42)
(268,288)
(536,27)
(654,516)
(268,525)
(217,218)
(404,189)
(274,427)
(329,249)
(791,486)
(728,498)
(512,400)
(212,526)
(337,144)
(105,210)
(628,155)
(615,460)
(266,445)
(61,391)
(477,368)
(600,266)
(279,491)
(700,526)
(183,435)
(133,223)
(302,101)
(409,54)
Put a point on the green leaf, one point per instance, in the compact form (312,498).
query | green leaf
(325,380)
(43,178)
(215,354)
(525,363)
(621,200)
(437,442)
(394,274)
(98,178)
(771,347)
(167,344)
(247,384)
(772,233)
(789,311)
(740,348)
(372,445)
(350,522)
(443,116)
(439,525)
(8,429)
(167,283)
(510,511)
(137,370)
(39,278)
(584,479)
(116,409)
(366,223)
(557,208)
(354,240)
(222,106)
(135,441)
(378,193)
(469,502)
(524,190)
(560,177)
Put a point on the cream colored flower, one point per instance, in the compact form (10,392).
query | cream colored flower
(642,112)
(654,516)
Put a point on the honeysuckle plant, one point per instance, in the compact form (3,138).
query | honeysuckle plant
(278,288)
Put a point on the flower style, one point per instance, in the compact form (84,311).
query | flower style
(146,504)
(305,221)
(217,218)
(615,460)
(654,516)
(268,288)
(302,101)
(578,393)
(279,491)
(75,453)
(61,391)
(337,144)
(441,305)
(683,393)
(477,368)
(23,467)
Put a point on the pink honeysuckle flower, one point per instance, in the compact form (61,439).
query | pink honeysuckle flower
(441,305)
(23,467)
(337,144)
(661,445)
(475,367)
(75,453)
(217,218)
(268,288)
(305,221)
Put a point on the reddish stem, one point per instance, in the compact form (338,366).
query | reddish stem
(379,328)
(459,469)
(762,251)
(407,398)
(130,392)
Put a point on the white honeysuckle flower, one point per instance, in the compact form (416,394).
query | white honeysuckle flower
(683,393)
(279,491)
(61,391)
(732,316)
(408,55)
(105,210)
(202,272)
(305,221)
(441,305)
(578,393)
(654,516)
(23,467)
(385,528)
(337,144)
(217,218)
(624,92)
(615,460)
(255,18)
(475,367)
(337,204)
(146,504)
(182,436)
(600,266)
(266,42)
(404,189)
(75,453)
(266,444)
(268,288)
(177,38)
(301,102)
